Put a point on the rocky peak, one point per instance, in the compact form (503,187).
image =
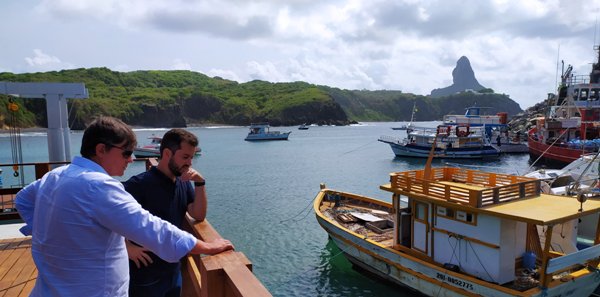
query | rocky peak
(463,78)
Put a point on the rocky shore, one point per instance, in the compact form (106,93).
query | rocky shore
(523,121)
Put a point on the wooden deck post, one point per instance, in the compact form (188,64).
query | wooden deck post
(226,274)
(545,256)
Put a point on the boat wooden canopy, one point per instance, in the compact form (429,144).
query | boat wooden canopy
(509,196)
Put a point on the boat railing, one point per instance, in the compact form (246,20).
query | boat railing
(13,177)
(578,79)
(393,139)
(465,186)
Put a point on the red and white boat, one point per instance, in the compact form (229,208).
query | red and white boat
(571,126)
(152,150)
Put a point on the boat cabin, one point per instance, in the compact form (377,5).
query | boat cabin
(448,136)
(486,225)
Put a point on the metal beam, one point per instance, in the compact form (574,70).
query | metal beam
(56,95)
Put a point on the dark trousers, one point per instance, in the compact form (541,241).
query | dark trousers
(166,286)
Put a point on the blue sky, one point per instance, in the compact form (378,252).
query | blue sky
(513,46)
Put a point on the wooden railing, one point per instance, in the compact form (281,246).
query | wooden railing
(222,275)
(465,186)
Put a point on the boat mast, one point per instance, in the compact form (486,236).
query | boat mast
(412,116)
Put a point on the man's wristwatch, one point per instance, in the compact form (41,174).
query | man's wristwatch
(200,183)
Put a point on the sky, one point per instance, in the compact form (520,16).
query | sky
(514,47)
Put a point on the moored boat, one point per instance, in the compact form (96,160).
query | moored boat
(260,131)
(571,126)
(495,128)
(451,142)
(152,150)
(303,127)
(408,126)
(464,233)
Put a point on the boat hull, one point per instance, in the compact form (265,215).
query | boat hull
(263,137)
(146,153)
(555,154)
(408,150)
(426,278)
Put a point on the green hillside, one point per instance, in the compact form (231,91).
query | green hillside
(180,98)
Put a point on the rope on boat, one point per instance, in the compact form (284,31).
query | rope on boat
(358,148)
(305,209)
(557,138)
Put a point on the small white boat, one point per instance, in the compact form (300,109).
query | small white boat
(260,131)
(152,150)
(580,177)
(408,126)
(465,233)
(303,127)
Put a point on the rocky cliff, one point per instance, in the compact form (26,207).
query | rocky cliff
(463,78)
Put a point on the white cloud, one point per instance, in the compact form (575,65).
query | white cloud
(408,45)
(179,64)
(41,59)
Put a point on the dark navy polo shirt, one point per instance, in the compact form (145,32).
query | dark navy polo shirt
(160,196)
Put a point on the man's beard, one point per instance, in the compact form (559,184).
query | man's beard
(177,171)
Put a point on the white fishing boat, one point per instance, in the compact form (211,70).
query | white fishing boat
(261,131)
(465,233)
(451,142)
(579,177)
(495,128)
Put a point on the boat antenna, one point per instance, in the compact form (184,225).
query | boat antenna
(557,63)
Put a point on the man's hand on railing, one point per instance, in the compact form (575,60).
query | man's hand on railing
(214,247)
(137,254)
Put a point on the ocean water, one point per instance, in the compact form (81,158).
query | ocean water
(260,195)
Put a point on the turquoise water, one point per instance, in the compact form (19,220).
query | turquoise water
(260,196)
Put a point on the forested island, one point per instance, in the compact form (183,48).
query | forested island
(179,98)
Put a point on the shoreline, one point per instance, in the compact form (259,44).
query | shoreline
(44,130)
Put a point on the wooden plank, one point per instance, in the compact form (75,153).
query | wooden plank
(579,257)
(190,273)
(13,256)
(28,287)
(23,277)
(17,269)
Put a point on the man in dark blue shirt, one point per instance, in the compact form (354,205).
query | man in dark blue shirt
(168,191)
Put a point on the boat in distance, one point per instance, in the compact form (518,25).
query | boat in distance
(303,127)
(261,132)
(495,128)
(463,233)
(451,142)
(152,150)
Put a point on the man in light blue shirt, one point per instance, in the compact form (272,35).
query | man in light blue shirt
(78,215)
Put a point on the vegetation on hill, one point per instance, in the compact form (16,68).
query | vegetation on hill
(180,98)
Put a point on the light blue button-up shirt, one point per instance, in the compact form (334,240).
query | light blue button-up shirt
(77,216)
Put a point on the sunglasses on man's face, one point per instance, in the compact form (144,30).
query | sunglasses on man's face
(126,153)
